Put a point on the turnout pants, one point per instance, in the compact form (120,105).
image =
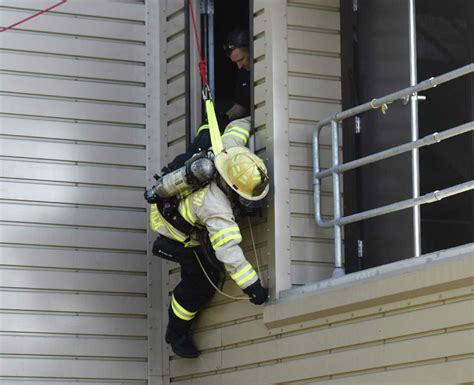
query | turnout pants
(194,290)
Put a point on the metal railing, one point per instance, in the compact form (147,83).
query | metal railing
(338,168)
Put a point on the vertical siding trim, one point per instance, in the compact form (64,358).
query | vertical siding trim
(278,143)
(155,65)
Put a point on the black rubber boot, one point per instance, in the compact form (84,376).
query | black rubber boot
(182,344)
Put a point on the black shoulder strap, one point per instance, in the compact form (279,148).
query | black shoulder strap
(169,210)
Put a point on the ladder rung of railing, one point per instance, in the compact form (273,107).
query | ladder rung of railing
(337,168)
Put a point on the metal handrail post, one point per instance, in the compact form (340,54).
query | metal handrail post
(316,180)
(415,164)
(336,185)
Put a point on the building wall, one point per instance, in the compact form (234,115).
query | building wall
(314,88)
(410,323)
(73,225)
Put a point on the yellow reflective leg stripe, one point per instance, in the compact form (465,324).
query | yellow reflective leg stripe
(214,132)
(180,311)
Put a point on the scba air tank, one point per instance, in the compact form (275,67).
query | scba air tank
(195,173)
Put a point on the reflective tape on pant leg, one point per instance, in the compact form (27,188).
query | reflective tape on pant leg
(180,311)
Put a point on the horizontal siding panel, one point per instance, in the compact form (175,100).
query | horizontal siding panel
(259,24)
(260,93)
(313,18)
(73,216)
(72,110)
(177,130)
(175,46)
(81,281)
(85,238)
(51,193)
(303,133)
(74,25)
(173,6)
(73,346)
(313,64)
(72,174)
(303,180)
(303,273)
(312,251)
(58,367)
(176,88)
(43,381)
(314,41)
(18,148)
(100,8)
(176,149)
(259,48)
(303,203)
(72,259)
(73,131)
(259,71)
(314,88)
(260,116)
(175,67)
(328,3)
(309,110)
(347,335)
(227,313)
(176,108)
(72,89)
(176,24)
(61,302)
(73,324)
(72,46)
(307,227)
(303,156)
(72,67)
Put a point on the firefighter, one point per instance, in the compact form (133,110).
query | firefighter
(241,179)
(237,49)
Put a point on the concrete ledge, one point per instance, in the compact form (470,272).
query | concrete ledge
(432,273)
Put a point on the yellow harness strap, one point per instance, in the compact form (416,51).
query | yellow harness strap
(216,139)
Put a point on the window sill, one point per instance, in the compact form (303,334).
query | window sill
(444,270)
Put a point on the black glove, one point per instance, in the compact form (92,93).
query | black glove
(150,195)
(257,293)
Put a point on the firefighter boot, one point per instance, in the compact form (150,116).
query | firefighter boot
(181,343)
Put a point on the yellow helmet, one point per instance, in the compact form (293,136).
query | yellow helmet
(244,172)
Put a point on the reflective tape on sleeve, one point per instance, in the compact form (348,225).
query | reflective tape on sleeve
(244,275)
(225,235)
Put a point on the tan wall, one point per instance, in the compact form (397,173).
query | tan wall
(314,92)
(411,325)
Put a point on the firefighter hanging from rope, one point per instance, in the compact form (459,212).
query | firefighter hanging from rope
(193,212)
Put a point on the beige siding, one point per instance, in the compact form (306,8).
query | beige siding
(418,327)
(314,86)
(72,232)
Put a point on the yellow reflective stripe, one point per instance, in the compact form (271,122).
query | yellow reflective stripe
(227,239)
(240,130)
(180,311)
(155,221)
(202,128)
(242,271)
(173,232)
(236,134)
(247,278)
(224,231)
(185,211)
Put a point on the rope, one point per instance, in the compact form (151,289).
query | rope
(256,259)
(32,16)
(202,62)
(213,285)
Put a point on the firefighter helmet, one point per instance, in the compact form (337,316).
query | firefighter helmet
(244,172)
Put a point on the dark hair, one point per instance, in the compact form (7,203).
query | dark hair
(237,38)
